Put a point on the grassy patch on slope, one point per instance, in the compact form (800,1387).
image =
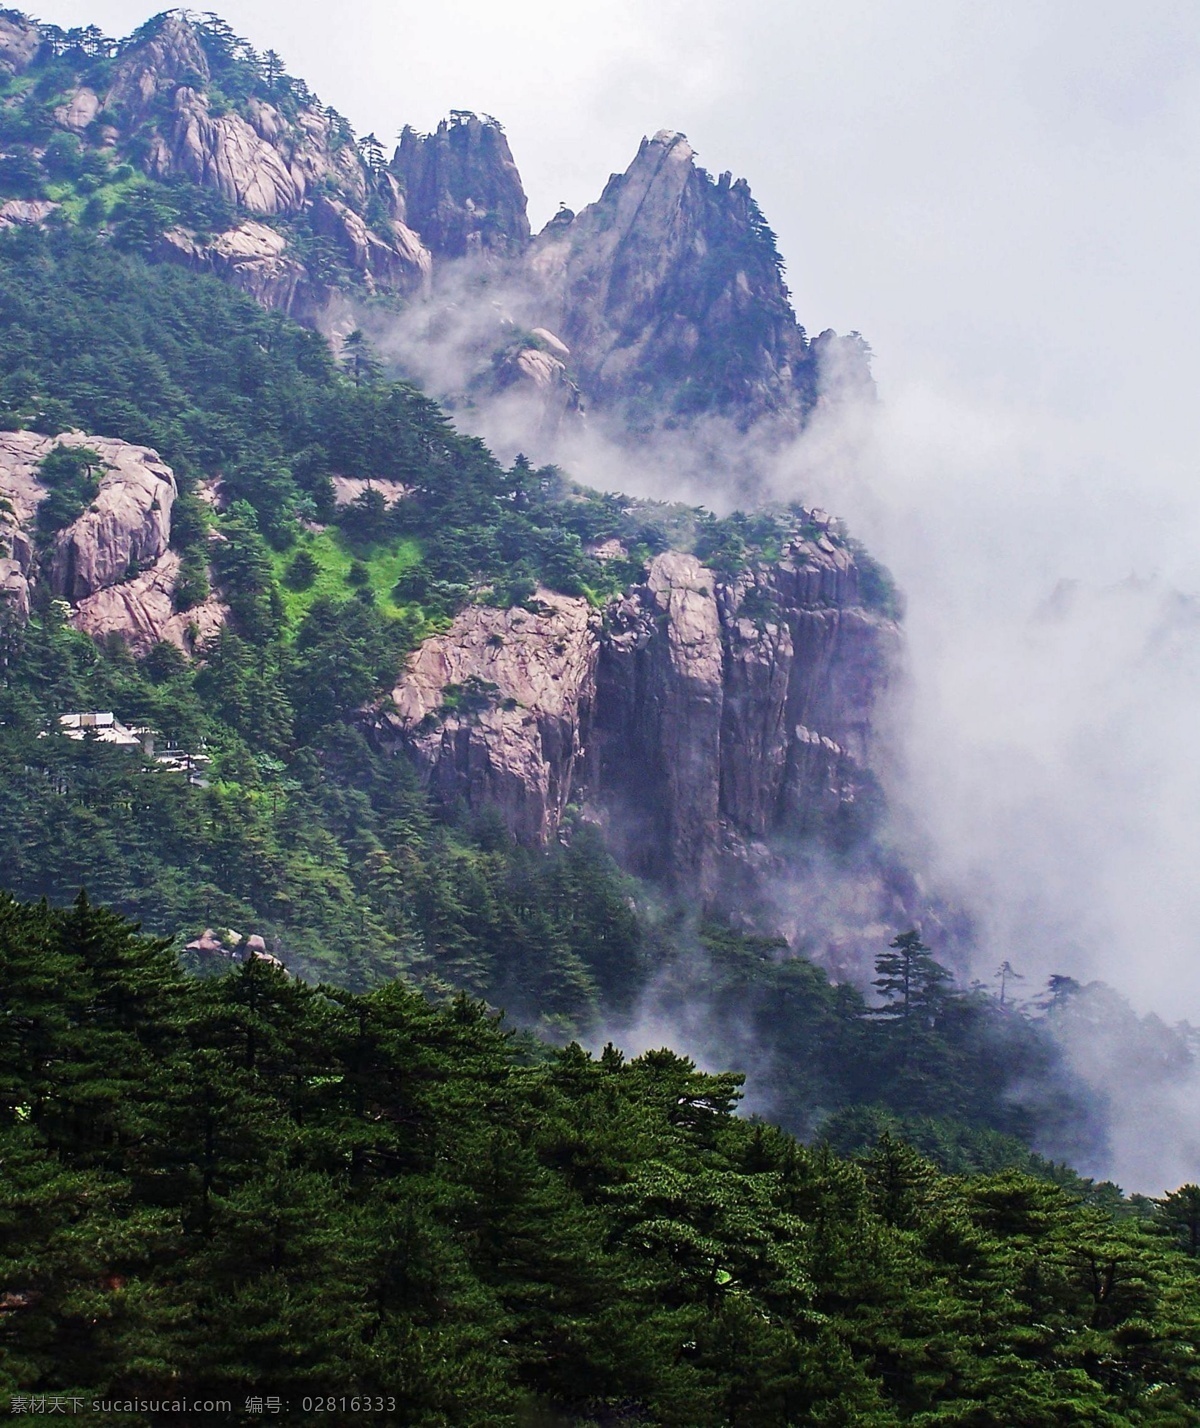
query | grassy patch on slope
(384,564)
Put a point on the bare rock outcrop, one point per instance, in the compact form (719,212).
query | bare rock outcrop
(78,110)
(20,492)
(670,288)
(14,589)
(494,710)
(350,488)
(735,711)
(705,721)
(535,379)
(127,526)
(25,212)
(251,256)
(258,259)
(462,191)
(170,56)
(259,158)
(20,41)
(112,564)
(658,720)
(142,611)
(225,153)
(403,265)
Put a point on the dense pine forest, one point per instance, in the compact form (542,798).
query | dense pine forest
(244,1185)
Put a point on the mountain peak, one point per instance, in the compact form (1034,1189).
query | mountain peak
(673,141)
(462,191)
(166,52)
(672,287)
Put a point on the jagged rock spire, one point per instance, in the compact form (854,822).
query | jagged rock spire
(670,286)
(463,193)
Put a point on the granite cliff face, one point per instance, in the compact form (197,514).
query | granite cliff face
(258,159)
(141,610)
(663,301)
(284,162)
(112,565)
(462,191)
(20,41)
(251,256)
(669,288)
(495,711)
(697,718)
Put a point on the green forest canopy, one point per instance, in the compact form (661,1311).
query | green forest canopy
(216,1185)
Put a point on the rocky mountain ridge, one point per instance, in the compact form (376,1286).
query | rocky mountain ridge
(665,298)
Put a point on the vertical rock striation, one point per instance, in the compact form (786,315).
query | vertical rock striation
(462,191)
(658,721)
(699,717)
(670,291)
(494,710)
(285,161)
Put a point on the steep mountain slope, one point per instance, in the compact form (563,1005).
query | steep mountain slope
(706,693)
(422,734)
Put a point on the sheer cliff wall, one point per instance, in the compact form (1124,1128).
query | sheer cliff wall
(694,718)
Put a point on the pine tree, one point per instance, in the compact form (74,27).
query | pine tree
(1006,973)
(1180,1213)
(359,359)
(911,983)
